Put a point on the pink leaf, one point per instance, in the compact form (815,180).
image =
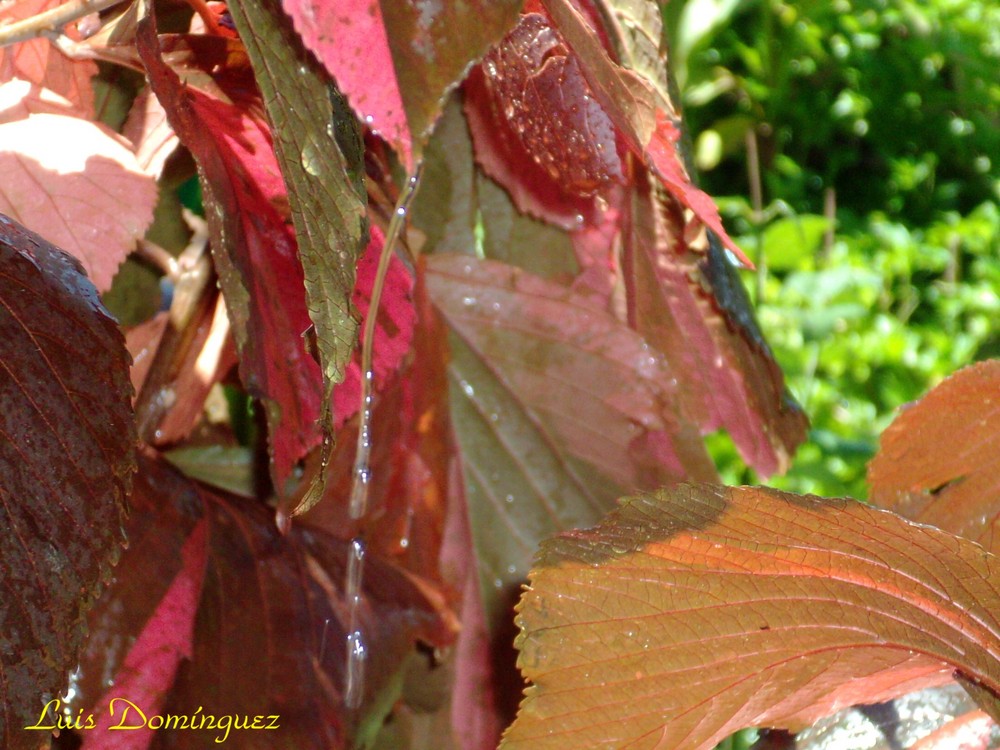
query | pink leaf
(39,62)
(151,665)
(74,180)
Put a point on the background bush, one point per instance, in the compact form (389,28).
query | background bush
(854,149)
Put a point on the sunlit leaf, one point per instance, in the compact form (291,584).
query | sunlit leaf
(318,148)
(396,62)
(39,62)
(253,248)
(687,301)
(691,613)
(939,461)
(67,443)
(558,408)
(74,180)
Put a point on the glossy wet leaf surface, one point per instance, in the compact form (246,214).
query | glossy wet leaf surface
(558,407)
(66,460)
(253,247)
(691,613)
(396,62)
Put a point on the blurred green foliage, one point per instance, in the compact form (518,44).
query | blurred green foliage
(873,131)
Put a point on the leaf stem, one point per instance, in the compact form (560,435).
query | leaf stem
(51,21)
(362,471)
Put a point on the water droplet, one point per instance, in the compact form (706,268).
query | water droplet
(354,686)
(310,159)
(578,221)
(511,569)
(467,388)
(509,499)
(369,119)
(497,583)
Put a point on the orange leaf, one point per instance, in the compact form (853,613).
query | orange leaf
(939,461)
(691,613)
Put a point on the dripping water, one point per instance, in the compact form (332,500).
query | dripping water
(354,680)
(357,647)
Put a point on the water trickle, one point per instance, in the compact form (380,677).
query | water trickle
(357,652)
(362,469)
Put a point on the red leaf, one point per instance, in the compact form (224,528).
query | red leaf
(685,299)
(939,461)
(393,327)
(67,442)
(77,180)
(644,118)
(277,598)
(396,62)
(691,613)
(148,672)
(255,253)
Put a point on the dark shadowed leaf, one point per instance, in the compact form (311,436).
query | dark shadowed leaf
(265,629)
(67,444)
(558,407)
(694,612)
(252,245)
(396,62)
(939,461)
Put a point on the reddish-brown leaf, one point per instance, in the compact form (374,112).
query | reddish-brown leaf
(73,179)
(67,443)
(694,612)
(267,634)
(253,247)
(685,299)
(939,461)
(558,407)
(644,116)
(396,62)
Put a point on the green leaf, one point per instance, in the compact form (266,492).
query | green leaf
(791,243)
(318,146)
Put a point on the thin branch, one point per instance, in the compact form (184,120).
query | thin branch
(51,21)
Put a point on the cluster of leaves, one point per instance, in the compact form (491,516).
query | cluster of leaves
(561,326)
(877,227)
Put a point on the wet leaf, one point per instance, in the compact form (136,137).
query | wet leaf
(640,108)
(279,598)
(939,461)
(691,613)
(558,408)
(252,246)
(67,444)
(318,148)
(396,62)
(74,179)
(685,299)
